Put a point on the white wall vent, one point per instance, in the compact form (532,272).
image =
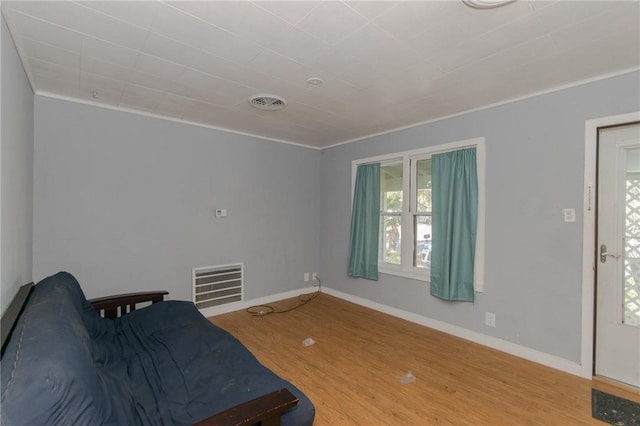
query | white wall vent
(217,285)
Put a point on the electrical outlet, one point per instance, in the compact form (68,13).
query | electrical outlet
(306,277)
(490,319)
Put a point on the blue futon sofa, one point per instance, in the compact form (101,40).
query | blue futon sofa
(164,364)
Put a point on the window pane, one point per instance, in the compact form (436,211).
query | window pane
(423,186)
(422,243)
(391,238)
(391,188)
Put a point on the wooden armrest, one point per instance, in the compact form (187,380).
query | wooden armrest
(265,409)
(125,302)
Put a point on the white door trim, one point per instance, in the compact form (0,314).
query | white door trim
(589,232)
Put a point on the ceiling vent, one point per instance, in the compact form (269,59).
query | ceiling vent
(486,4)
(268,102)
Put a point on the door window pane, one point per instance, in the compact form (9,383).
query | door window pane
(631,286)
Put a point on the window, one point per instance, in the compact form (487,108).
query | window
(408,216)
(404,247)
(422,213)
(391,205)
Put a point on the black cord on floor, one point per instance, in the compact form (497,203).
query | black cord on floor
(262,310)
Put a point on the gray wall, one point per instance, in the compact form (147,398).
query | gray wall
(16,152)
(125,202)
(534,169)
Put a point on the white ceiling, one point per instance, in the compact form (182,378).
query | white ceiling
(385,64)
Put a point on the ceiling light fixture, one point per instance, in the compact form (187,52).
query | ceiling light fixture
(268,102)
(486,4)
(315,81)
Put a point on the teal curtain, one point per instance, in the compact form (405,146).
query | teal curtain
(455,215)
(365,223)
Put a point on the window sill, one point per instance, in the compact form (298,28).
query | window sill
(419,276)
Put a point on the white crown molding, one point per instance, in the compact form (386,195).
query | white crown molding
(484,107)
(164,117)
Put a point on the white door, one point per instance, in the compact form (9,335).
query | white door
(618,271)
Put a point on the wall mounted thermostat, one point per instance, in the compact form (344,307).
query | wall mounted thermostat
(221,212)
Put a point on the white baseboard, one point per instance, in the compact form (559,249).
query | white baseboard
(473,336)
(237,306)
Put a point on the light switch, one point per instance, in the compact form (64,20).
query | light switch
(569,215)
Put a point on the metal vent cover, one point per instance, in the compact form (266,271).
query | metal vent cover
(217,285)
(268,102)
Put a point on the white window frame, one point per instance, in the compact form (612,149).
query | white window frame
(406,268)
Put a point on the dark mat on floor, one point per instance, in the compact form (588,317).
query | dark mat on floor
(614,410)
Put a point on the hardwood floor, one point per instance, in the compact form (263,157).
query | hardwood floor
(352,371)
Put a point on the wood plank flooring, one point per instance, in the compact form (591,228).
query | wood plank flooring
(352,371)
